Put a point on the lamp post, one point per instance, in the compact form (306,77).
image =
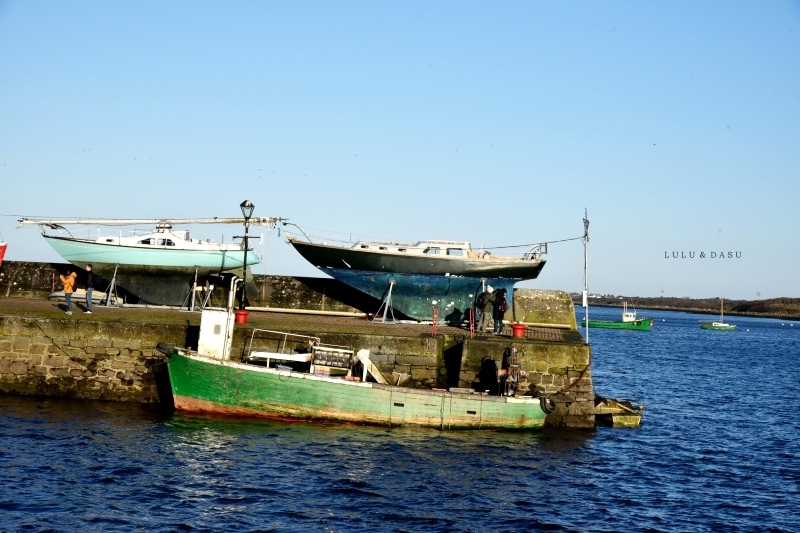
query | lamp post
(247,212)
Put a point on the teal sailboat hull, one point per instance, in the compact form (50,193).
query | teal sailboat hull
(81,252)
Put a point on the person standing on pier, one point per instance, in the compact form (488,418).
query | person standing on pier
(89,288)
(485,307)
(69,288)
(499,310)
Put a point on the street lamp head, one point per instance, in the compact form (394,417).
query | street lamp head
(247,209)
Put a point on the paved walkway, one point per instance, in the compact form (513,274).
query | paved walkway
(298,321)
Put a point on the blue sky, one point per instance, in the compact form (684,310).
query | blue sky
(676,124)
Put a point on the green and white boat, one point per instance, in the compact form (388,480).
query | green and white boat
(718,324)
(296,377)
(629,321)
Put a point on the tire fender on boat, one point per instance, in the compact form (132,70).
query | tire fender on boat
(547,404)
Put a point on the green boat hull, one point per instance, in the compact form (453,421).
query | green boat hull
(642,324)
(725,327)
(205,385)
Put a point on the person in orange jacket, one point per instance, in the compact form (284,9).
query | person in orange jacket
(69,288)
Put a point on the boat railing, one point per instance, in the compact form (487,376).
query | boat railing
(267,345)
(535,251)
(280,342)
(94,233)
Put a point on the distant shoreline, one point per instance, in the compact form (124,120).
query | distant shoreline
(781,308)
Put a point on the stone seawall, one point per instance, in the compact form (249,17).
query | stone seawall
(112,356)
(118,361)
(93,360)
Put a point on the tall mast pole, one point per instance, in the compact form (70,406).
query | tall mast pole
(586,271)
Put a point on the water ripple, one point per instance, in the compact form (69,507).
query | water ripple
(716,452)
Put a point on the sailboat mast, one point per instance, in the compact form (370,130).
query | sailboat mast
(269,221)
(586,272)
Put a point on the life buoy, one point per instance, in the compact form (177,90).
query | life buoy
(547,404)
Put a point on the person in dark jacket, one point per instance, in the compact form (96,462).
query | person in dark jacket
(486,309)
(499,310)
(89,288)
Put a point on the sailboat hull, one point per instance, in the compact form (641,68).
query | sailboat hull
(718,325)
(642,324)
(153,260)
(416,295)
(419,281)
(157,275)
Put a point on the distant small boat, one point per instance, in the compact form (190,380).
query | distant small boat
(721,325)
(629,321)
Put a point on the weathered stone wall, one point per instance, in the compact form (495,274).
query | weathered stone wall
(95,360)
(537,306)
(559,371)
(29,280)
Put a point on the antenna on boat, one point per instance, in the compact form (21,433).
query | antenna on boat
(586,272)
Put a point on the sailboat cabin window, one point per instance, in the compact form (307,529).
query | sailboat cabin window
(166,242)
(147,241)
(433,250)
(458,252)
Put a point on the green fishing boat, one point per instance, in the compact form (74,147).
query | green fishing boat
(296,377)
(629,321)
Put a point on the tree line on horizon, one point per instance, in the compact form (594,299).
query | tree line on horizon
(773,307)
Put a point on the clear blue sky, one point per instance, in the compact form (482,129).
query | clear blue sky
(675,123)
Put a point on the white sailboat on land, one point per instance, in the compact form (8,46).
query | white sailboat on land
(156,264)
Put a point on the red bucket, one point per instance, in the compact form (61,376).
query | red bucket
(241,316)
(518,330)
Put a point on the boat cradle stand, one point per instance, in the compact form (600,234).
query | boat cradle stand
(386,305)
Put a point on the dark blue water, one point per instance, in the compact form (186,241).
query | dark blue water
(718,451)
